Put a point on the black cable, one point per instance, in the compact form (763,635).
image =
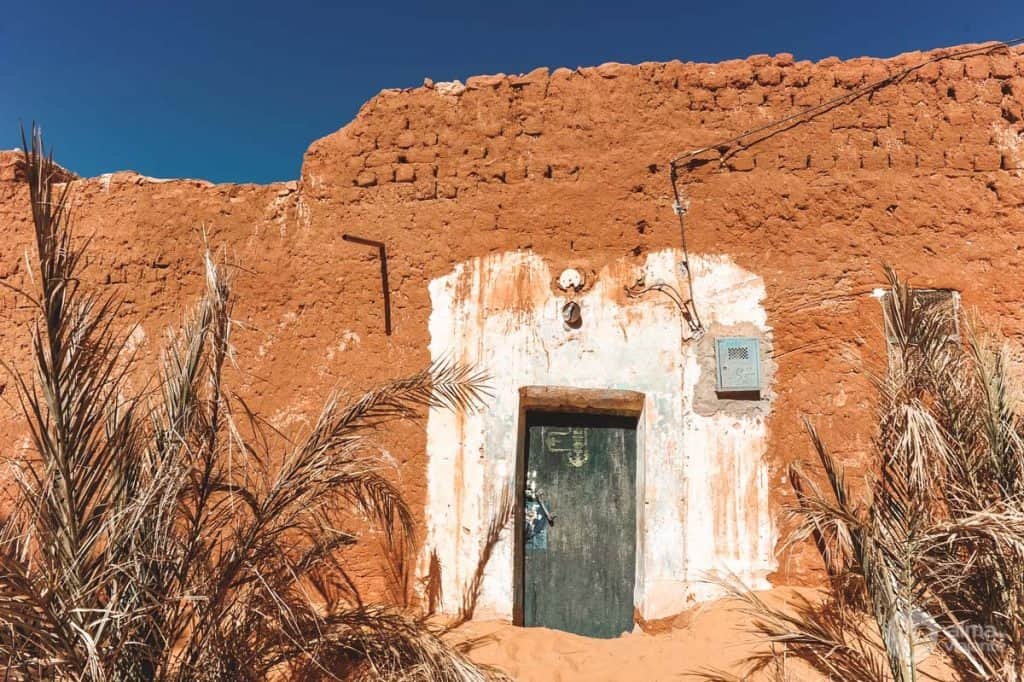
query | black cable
(854,94)
(696,325)
(680,209)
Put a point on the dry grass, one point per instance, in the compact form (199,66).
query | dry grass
(173,534)
(928,551)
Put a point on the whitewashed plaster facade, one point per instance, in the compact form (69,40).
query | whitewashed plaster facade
(701,476)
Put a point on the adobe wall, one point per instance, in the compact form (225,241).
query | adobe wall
(571,168)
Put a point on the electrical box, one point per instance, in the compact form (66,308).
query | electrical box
(739,364)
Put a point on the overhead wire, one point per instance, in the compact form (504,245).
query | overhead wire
(853,94)
(680,205)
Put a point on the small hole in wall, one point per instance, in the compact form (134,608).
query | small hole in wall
(1007,89)
(652,169)
(951,92)
(547,172)
(641,226)
(638,250)
(1009,116)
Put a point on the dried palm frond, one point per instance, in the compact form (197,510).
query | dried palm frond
(825,634)
(934,550)
(499,521)
(175,535)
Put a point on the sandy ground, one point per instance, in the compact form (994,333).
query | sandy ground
(711,636)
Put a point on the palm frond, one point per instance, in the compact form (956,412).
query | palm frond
(929,546)
(162,535)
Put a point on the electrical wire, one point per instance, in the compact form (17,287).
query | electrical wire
(853,94)
(679,205)
(693,318)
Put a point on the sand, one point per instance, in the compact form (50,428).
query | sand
(709,636)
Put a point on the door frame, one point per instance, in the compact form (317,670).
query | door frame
(591,401)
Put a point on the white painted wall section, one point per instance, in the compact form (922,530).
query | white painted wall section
(702,479)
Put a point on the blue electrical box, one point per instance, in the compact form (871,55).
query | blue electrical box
(739,364)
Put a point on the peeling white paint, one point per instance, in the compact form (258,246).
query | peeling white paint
(303,212)
(135,340)
(1010,142)
(702,478)
(291,417)
(449,88)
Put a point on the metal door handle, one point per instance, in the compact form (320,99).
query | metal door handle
(544,509)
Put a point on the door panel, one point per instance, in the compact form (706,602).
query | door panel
(579,571)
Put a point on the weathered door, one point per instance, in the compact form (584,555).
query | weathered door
(579,571)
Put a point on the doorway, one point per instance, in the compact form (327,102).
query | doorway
(577,522)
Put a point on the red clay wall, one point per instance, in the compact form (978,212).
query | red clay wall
(924,174)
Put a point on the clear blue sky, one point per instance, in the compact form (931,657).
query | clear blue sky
(237,91)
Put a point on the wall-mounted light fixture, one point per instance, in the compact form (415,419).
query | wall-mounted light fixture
(572,315)
(570,279)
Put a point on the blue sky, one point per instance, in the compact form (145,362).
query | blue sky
(237,91)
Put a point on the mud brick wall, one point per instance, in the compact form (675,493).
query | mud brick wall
(573,166)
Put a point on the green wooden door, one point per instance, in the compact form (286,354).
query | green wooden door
(579,571)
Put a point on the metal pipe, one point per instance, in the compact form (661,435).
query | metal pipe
(382,254)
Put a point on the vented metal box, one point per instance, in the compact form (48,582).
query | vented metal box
(739,364)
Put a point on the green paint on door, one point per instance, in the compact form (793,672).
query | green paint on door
(580,470)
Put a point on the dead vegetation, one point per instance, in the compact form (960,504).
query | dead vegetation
(170,533)
(926,555)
